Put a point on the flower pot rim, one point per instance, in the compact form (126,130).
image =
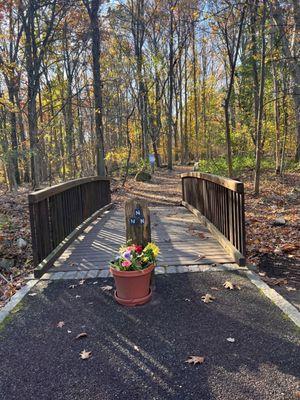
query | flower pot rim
(132,273)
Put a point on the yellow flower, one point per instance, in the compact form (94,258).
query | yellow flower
(153,247)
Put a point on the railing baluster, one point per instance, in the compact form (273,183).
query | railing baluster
(221,201)
(56,211)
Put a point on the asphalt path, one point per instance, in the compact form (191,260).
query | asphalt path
(140,353)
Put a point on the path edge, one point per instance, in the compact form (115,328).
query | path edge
(16,299)
(285,306)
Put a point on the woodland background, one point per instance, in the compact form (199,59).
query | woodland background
(88,82)
(93,87)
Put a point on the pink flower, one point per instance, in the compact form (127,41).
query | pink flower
(126,263)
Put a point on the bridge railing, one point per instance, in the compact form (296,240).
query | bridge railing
(57,211)
(219,202)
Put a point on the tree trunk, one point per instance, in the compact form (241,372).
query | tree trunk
(232,61)
(93,10)
(13,134)
(292,57)
(171,86)
(258,154)
(276,109)
(195,90)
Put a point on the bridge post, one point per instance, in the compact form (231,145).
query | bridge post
(137,218)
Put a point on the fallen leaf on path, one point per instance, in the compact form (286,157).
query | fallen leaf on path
(60,324)
(231,286)
(136,348)
(84,355)
(81,335)
(291,289)
(214,288)
(77,296)
(69,331)
(228,285)
(81,282)
(230,339)
(208,298)
(195,360)
(72,286)
(187,299)
(32,294)
(106,288)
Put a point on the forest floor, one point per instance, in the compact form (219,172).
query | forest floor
(274,249)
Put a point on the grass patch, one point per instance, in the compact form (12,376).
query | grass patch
(11,315)
(218,165)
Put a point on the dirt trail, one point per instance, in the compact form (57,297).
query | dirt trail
(163,189)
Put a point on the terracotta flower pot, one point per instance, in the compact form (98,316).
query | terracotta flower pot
(133,287)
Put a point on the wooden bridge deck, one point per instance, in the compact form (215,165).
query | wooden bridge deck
(178,233)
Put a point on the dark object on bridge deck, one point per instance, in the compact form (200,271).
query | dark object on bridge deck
(137,217)
(219,204)
(58,214)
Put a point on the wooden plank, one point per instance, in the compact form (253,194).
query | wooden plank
(231,184)
(97,246)
(48,261)
(227,245)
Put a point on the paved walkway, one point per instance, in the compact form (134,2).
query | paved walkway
(178,233)
(140,353)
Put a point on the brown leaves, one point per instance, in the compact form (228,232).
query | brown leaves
(289,247)
(84,355)
(195,360)
(208,298)
(106,288)
(81,335)
(231,286)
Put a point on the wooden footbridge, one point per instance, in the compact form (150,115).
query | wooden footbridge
(76,227)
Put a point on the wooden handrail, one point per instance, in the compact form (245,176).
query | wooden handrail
(231,184)
(42,194)
(57,211)
(219,203)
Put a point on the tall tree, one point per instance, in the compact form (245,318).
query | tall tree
(291,50)
(93,9)
(38,23)
(258,152)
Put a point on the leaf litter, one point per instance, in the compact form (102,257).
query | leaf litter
(84,355)
(195,360)
(207,298)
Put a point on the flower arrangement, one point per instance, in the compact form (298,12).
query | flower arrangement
(135,257)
